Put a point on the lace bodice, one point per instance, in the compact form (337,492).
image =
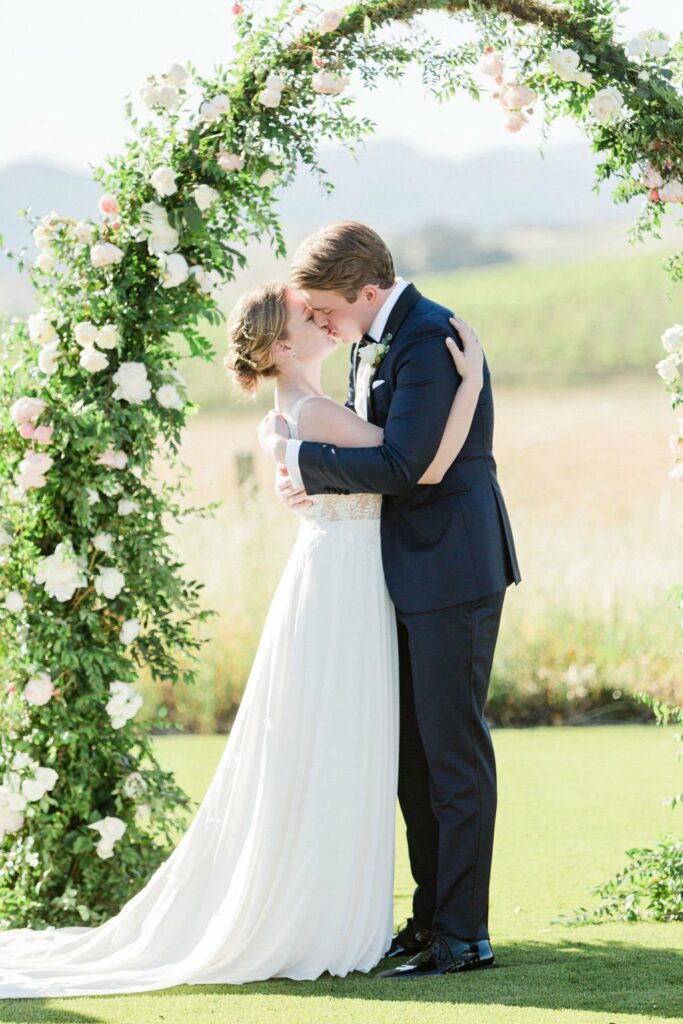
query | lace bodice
(331,507)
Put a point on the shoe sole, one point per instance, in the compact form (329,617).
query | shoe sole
(436,974)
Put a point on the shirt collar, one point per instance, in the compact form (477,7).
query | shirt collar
(379,323)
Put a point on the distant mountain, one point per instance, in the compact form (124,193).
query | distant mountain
(391,186)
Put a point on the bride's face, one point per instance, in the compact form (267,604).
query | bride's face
(307,341)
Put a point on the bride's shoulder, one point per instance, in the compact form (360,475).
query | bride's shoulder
(324,420)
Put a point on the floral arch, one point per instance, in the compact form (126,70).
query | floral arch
(89,588)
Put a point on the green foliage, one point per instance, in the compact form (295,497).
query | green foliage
(51,869)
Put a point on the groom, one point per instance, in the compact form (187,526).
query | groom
(448,557)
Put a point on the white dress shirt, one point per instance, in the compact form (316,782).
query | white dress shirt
(363,379)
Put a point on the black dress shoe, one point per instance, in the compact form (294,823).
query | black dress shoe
(409,940)
(445,956)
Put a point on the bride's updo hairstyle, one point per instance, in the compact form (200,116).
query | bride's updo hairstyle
(254,325)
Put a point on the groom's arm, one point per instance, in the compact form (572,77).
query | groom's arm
(426,382)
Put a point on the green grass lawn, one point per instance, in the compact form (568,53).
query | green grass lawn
(571,801)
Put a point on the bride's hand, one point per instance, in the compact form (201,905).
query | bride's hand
(470,362)
(273,434)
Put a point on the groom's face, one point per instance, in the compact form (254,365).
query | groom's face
(347,321)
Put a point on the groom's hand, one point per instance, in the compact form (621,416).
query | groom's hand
(273,435)
(287,493)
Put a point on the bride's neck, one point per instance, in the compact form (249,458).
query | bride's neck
(292,383)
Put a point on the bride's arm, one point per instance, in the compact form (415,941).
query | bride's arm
(470,365)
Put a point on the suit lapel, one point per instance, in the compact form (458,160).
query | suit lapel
(404,304)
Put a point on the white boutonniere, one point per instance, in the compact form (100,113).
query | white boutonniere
(373,353)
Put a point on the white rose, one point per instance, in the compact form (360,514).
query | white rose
(161,237)
(92,359)
(659,46)
(107,336)
(132,383)
(105,254)
(267,178)
(330,20)
(221,103)
(103,542)
(142,813)
(205,196)
(109,582)
(93,495)
(10,820)
(584,78)
(42,237)
(129,631)
(32,790)
(270,97)
(672,339)
(207,280)
(62,572)
(169,398)
(45,262)
(177,74)
(565,63)
(85,333)
(275,82)
(111,829)
(133,784)
(123,704)
(41,330)
(127,505)
(32,470)
(163,181)
(84,232)
(174,270)
(672,192)
(47,777)
(39,689)
(14,602)
(48,358)
(638,45)
(667,370)
(368,353)
(607,104)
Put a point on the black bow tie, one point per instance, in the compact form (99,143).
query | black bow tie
(366,340)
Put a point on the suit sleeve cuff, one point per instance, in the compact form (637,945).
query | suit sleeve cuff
(292,461)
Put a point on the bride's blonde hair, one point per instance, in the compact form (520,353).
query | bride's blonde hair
(256,322)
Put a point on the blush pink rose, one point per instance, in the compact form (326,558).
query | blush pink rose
(32,469)
(109,204)
(229,161)
(491,63)
(26,409)
(39,689)
(515,121)
(672,192)
(43,433)
(514,96)
(27,430)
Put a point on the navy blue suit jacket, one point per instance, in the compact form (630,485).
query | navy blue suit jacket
(442,543)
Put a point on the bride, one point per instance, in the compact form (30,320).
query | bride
(286,869)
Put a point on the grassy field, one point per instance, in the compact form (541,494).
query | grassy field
(584,472)
(571,801)
(555,324)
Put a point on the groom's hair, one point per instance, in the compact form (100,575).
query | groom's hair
(343,257)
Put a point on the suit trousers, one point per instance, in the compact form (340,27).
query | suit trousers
(447,768)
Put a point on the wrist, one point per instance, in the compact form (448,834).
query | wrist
(474,381)
(280,450)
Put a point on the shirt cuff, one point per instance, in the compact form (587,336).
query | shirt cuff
(292,461)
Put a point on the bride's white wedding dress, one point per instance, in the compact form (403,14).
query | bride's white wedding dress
(287,868)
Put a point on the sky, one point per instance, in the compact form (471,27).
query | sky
(66,68)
